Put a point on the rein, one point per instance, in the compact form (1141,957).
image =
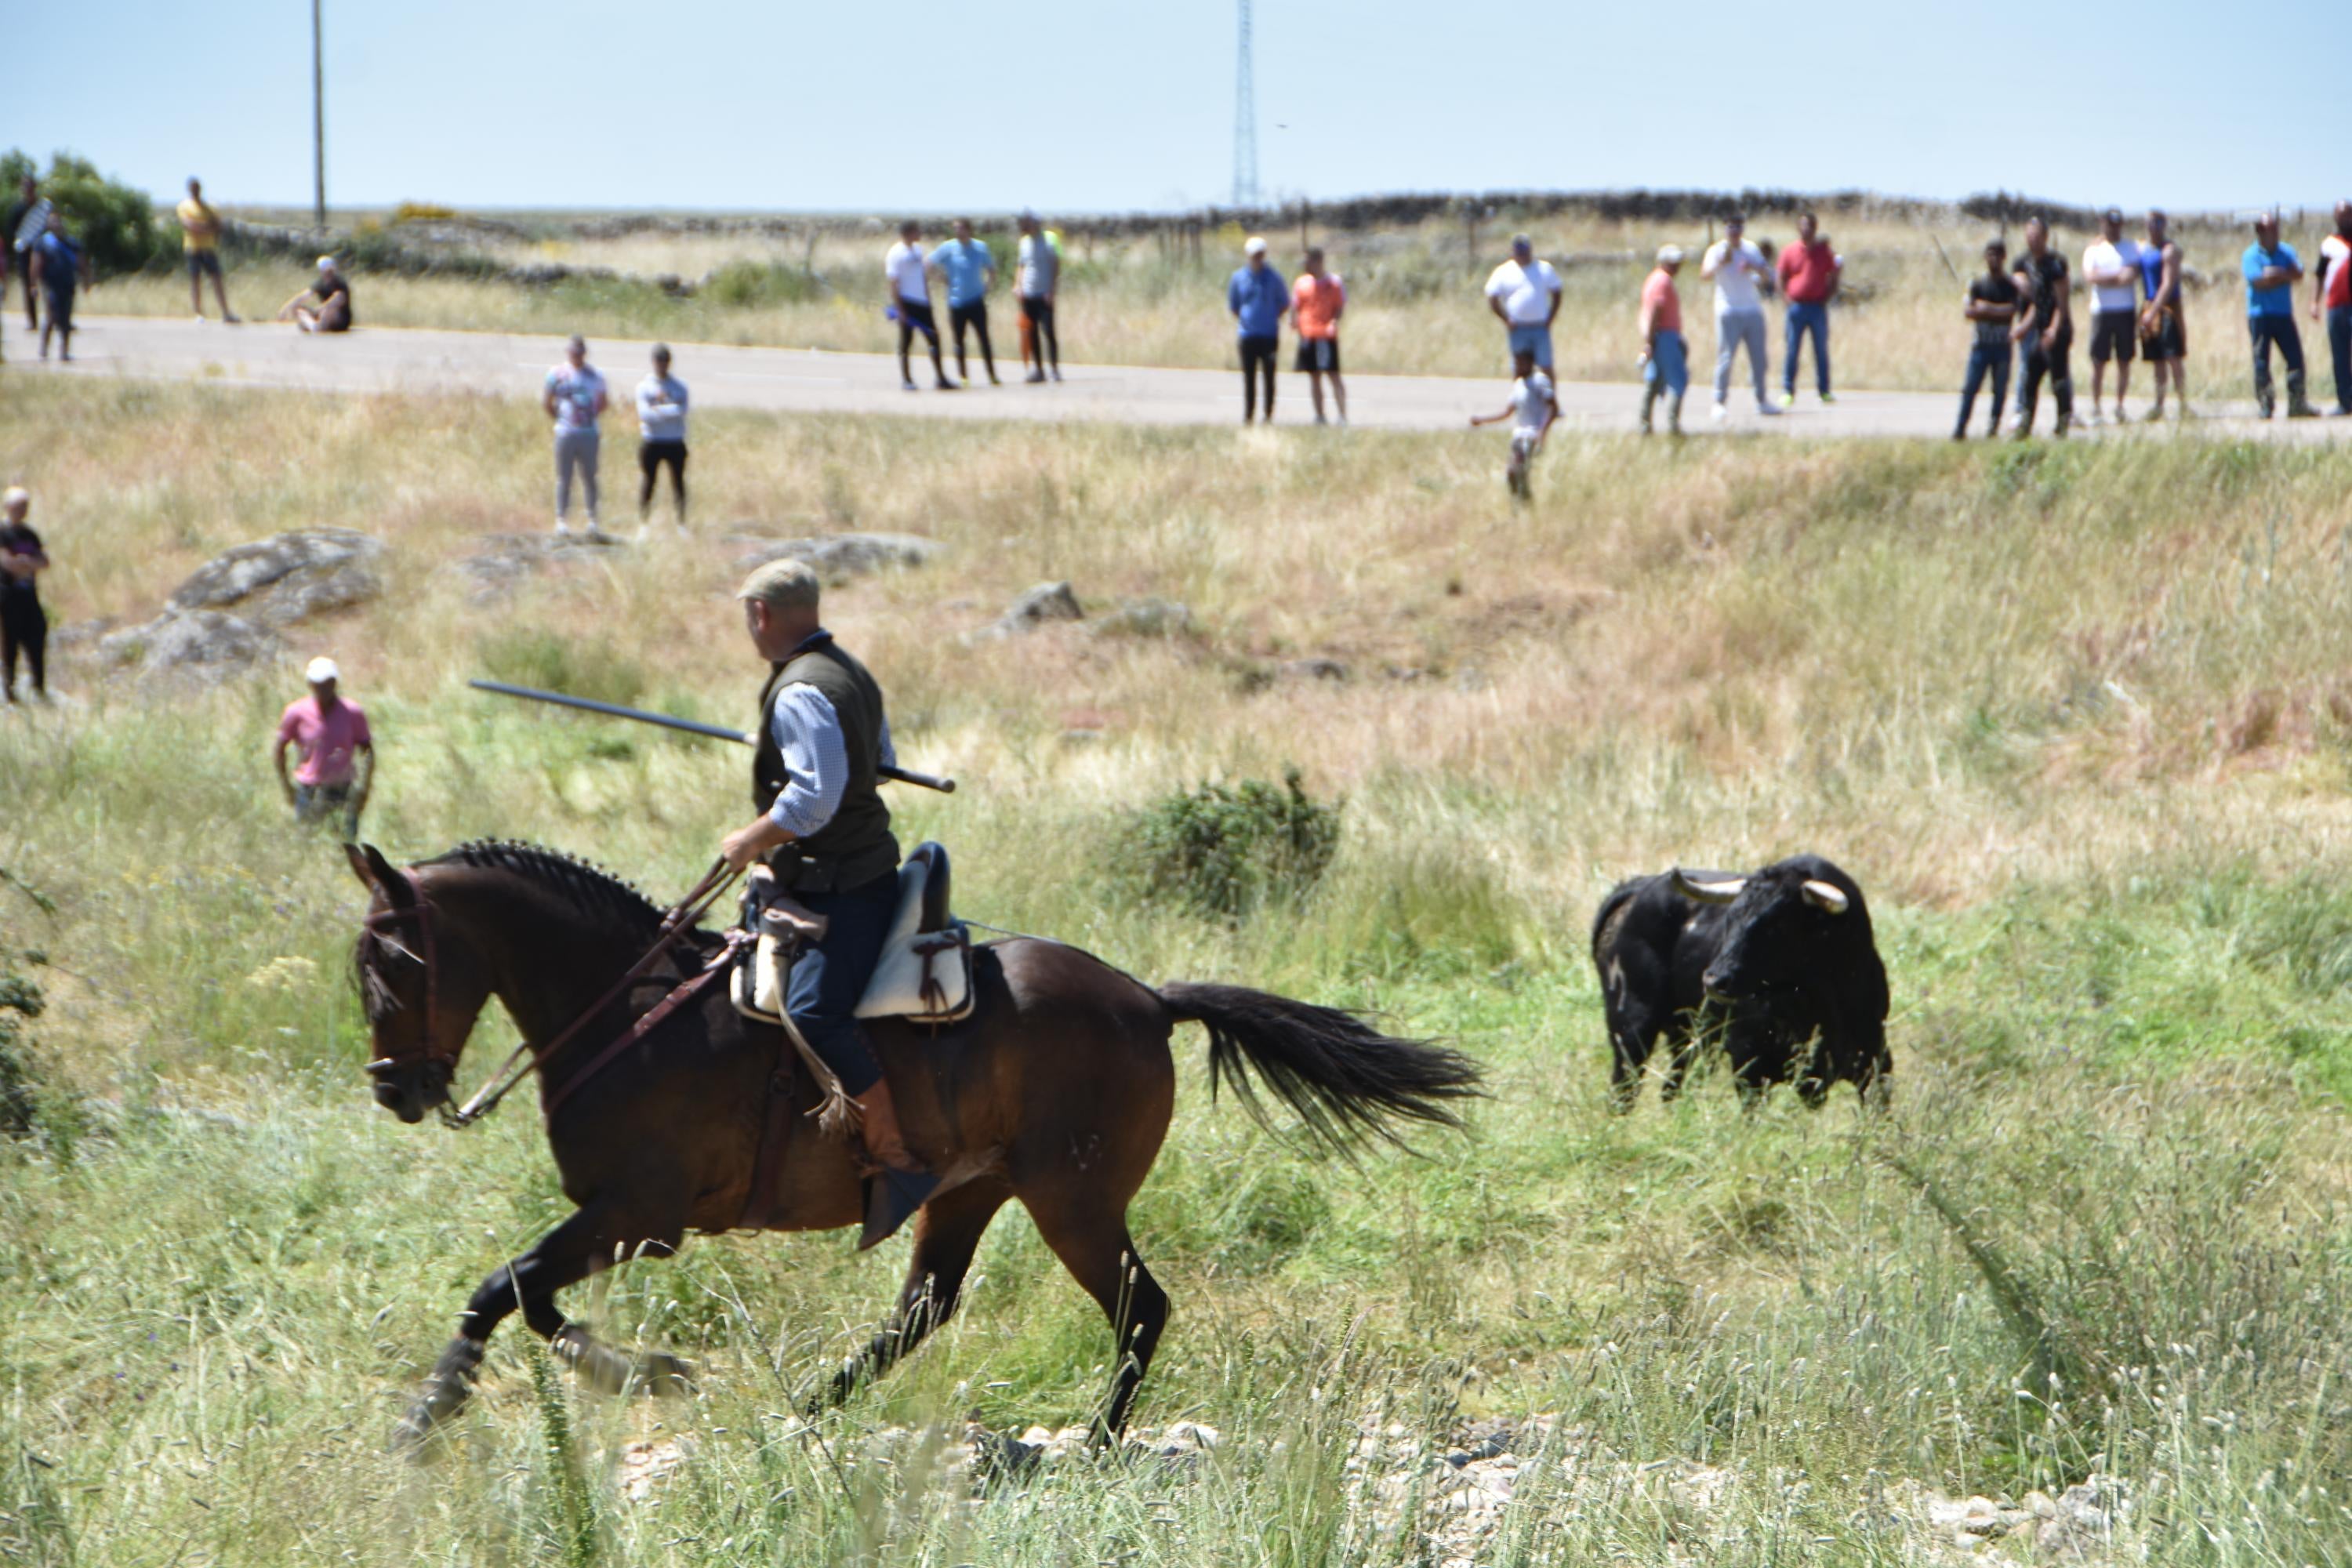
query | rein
(515,1068)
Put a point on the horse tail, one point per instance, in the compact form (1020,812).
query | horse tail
(1348,1081)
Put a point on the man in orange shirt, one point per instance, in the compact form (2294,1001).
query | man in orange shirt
(1665,365)
(1316,302)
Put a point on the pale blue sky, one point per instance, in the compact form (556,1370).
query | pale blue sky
(1112,105)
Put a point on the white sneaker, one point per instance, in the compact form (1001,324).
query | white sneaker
(1716,414)
(562,529)
(1767,410)
(2097,418)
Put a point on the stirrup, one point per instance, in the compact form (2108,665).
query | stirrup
(891,1199)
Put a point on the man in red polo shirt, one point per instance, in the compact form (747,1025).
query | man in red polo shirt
(332,737)
(1809,278)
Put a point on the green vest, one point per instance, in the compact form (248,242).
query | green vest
(856,845)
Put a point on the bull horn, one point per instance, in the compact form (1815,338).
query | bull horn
(1826,895)
(1711,890)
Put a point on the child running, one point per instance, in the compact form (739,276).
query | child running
(1534,406)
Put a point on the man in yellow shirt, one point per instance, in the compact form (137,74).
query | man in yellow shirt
(200,231)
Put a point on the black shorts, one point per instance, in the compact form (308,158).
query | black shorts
(918,317)
(1318,354)
(2168,342)
(201,263)
(652,455)
(61,307)
(2114,336)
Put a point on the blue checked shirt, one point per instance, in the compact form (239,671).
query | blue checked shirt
(817,759)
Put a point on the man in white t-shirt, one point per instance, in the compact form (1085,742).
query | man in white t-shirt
(2111,268)
(1742,277)
(2336,252)
(1524,294)
(905,275)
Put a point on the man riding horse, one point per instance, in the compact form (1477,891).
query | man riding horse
(823,835)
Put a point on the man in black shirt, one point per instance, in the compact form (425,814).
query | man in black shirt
(23,627)
(2046,334)
(1991,308)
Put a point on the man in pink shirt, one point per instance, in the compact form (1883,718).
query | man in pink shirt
(1808,281)
(331,737)
(1665,368)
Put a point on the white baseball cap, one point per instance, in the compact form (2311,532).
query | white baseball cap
(1670,255)
(321,669)
(1256,247)
(326,264)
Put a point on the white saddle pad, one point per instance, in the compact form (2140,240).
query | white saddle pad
(922,976)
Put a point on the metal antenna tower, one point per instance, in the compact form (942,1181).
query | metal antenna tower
(1244,119)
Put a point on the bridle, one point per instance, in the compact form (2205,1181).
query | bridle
(675,923)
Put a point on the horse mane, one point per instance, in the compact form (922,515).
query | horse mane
(595,890)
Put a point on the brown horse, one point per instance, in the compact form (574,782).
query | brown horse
(1056,1091)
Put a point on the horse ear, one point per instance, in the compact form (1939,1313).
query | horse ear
(377,873)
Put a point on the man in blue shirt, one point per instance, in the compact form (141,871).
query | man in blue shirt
(1259,299)
(2273,270)
(970,273)
(59,265)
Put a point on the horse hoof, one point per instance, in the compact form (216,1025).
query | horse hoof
(660,1373)
(602,1368)
(445,1393)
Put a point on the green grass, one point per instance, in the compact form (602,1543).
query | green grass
(2069,716)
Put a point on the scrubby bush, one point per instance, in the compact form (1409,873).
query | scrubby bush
(1225,850)
(421,212)
(749,284)
(529,656)
(115,224)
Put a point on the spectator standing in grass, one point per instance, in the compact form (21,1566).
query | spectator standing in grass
(1809,271)
(1317,301)
(24,627)
(200,233)
(1665,358)
(2044,334)
(2331,302)
(2110,267)
(661,438)
(59,267)
(2271,271)
(971,272)
(1990,305)
(28,219)
(1741,277)
(1524,294)
(909,283)
(1036,279)
(334,765)
(1532,409)
(2163,330)
(574,397)
(325,306)
(1258,301)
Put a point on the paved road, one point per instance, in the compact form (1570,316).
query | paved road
(810,381)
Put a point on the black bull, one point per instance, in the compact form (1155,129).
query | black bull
(1780,963)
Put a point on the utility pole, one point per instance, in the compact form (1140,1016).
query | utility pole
(1244,121)
(317,121)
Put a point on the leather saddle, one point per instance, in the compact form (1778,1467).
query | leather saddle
(924,973)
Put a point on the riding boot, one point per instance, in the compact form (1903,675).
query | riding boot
(902,1185)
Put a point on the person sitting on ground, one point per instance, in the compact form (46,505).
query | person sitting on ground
(60,265)
(331,737)
(1990,306)
(1665,360)
(200,234)
(325,306)
(24,627)
(661,430)
(1533,407)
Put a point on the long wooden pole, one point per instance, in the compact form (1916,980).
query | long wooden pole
(318,121)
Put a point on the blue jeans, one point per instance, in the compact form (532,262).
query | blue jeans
(1985,360)
(1535,340)
(1668,362)
(2281,330)
(2339,348)
(829,979)
(1802,319)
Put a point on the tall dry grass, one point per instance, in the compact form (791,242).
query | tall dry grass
(2072,716)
